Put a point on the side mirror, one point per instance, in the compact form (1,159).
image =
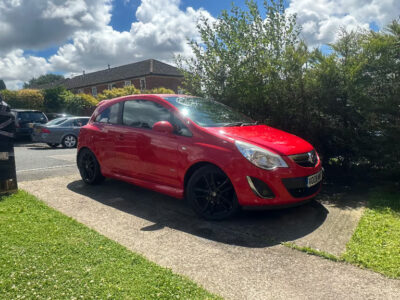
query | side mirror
(163,126)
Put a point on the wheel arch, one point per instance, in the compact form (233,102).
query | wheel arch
(194,167)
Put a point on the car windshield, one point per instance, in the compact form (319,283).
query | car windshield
(31,116)
(56,121)
(209,113)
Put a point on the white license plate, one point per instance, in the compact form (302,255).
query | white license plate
(314,179)
(30,125)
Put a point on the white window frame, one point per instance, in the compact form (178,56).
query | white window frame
(110,86)
(94,91)
(80,91)
(127,83)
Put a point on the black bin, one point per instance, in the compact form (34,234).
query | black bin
(8,176)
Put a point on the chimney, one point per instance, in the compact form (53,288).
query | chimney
(108,66)
(83,73)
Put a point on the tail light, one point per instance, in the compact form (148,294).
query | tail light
(45,130)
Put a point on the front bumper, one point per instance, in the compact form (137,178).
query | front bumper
(287,185)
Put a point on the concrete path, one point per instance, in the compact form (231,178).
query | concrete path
(237,259)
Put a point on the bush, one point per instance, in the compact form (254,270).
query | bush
(31,99)
(131,90)
(118,92)
(10,97)
(81,104)
(160,90)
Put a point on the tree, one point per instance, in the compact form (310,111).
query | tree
(252,63)
(53,99)
(346,102)
(43,79)
(2,85)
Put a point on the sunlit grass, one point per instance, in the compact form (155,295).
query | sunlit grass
(46,255)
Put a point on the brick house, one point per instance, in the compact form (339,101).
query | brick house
(144,75)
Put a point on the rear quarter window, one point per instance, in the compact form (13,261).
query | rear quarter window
(109,115)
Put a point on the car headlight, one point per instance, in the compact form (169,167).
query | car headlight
(260,157)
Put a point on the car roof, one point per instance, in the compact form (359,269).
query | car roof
(73,118)
(25,110)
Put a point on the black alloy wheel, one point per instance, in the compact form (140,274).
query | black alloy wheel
(89,167)
(211,194)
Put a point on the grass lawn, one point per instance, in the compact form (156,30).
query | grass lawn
(376,241)
(45,254)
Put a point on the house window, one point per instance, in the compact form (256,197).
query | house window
(127,83)
(94,91)
(142,84)
(80,91)
(110,86)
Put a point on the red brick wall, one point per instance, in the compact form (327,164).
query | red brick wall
(154,81)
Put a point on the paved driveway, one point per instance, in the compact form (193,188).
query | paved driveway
(37,161)
(238,259)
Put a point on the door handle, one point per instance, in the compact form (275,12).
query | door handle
(121,137)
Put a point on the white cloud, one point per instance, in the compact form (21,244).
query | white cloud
(321,19)
(161,31)
(38,24)
(88,42)
(15,68)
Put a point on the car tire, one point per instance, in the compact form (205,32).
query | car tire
(53,145)
(89,167)
(211,194)
(70,141)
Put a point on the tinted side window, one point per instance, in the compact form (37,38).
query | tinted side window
(109,115)
(68,123)
(143,113)
(80,122)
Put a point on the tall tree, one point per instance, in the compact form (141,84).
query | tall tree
(248,61)
(43,79)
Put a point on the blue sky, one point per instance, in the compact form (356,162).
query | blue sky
(69,36)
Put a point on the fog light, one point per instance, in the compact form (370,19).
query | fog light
(260,188)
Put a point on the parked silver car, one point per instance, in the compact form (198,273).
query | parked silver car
(62,131)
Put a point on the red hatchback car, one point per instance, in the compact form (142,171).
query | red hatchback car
(185,146)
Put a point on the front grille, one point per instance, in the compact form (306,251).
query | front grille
(309,159)
(304,191)
(297,187)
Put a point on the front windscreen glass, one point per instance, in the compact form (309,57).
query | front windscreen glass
(209,113)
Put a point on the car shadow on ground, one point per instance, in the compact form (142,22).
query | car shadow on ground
(44,147)
(248,229)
